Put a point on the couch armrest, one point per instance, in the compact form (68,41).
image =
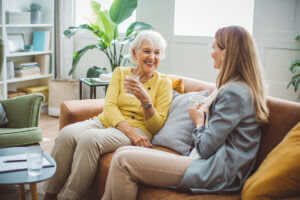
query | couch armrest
(23,111)
(79,110)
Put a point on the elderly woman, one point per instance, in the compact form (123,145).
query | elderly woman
(134,111)
(226,140)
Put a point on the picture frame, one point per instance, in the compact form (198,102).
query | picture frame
(15,42)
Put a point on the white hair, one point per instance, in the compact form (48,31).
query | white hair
(155,38)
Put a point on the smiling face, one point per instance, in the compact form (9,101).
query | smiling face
(147,57)
(217,55)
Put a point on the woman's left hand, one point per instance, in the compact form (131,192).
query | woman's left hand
(197,115)
(136,88)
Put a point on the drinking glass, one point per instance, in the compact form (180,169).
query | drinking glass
(134,77)
(196,99)
(35,160)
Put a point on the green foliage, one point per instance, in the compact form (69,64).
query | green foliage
(94,72)
(35,7)
(105,27)
(294,68)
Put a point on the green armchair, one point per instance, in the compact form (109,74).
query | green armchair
(23,114)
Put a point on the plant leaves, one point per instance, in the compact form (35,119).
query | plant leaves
(297,37)
(95,6)
(137,26)
(74,29)
(77,55)
(121,10)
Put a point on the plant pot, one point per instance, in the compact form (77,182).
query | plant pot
(36,17)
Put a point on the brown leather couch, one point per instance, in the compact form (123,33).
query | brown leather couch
(283,116)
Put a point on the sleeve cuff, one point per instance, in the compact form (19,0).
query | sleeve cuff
(154,123)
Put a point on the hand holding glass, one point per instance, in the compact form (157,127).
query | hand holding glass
(196,100)
(134,77)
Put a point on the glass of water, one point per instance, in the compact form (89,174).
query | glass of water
(35,160)
(137,78)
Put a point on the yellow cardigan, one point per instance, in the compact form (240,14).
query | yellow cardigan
(119,107)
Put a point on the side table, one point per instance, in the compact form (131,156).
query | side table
(93,84)
(21,177)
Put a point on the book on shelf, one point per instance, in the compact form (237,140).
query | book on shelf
(25,65)
(27,75)
(12,94)
(10,69)
(41,40)
(43,62)
(27,72)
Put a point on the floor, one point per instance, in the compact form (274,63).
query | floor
(50,127)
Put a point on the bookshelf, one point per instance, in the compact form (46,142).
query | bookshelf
(7,82)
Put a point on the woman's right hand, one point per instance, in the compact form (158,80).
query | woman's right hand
(197,115)
(139,140)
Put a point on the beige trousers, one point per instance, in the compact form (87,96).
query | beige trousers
(131,165)
(76,151)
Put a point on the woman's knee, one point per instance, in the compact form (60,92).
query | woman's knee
(123,158)
(66,134)
(125,148)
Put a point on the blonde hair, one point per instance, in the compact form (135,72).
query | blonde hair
(241,63)
(155,38)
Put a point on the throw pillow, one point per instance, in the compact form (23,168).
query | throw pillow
(177,84)
(3,117)
(278,176)
(176,134)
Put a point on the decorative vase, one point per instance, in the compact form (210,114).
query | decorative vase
(36,17)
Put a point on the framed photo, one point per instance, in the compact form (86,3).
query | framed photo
(15,42)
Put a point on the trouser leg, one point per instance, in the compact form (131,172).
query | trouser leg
(91,145)
(63,151)
(131,165)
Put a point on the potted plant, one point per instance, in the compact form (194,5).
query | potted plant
(36,14)
(295,69)
(105,27)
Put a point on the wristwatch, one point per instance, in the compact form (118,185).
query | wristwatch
(148,106)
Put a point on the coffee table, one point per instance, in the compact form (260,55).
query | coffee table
(21,177)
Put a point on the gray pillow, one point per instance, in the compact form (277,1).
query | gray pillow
(176,134)
(3,117)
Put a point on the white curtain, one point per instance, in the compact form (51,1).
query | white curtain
(64,17)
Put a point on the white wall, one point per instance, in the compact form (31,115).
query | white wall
(276,23)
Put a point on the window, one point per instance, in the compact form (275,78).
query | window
(84,10)
(204,17)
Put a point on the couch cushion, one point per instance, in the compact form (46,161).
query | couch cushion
(153,193)
(279,174)
(176,134)
(19,136)
(284,115)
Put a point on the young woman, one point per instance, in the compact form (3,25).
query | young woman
(126,120)
(226,138)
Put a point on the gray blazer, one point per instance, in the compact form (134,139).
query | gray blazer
(229,145)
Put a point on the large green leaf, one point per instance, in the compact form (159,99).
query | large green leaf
(137,26)
(77,55)
(121,10)
(95,6)
(74,29)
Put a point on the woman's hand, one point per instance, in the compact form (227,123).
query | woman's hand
(136,88)
(136,138)
(197,115)
(139,140)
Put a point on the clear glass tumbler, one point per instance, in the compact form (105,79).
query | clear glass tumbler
(137,78)
(35,160)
